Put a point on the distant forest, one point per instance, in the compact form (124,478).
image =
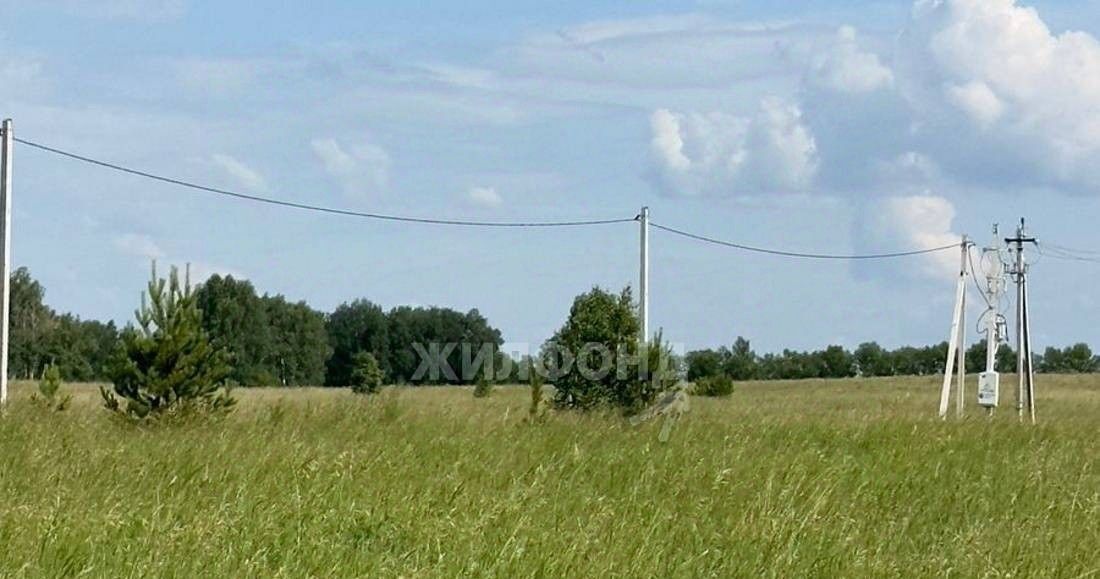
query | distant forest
(272,341)
(277,342)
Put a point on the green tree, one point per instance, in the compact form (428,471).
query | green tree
(483,388)
(741,362)
(366,375)
(299,347)
(1075,359)
(704,364)
(837,363)
(166,364)
(31,324)
(714,386)
(600,318)
(235,319)
(358,326)
(872,360)
(602,332)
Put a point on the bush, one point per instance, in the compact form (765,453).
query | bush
(483,388)
(602,333)
(366,374)
(51,383)
(714,386)
(537,410)
(166,364)
(48,390)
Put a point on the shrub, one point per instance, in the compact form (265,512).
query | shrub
(536,411)
(714,386)
(602,333)
(366,374)
(48,390)
(166,364)
(51,383)
(483,388)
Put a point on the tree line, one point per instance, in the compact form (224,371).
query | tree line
(740,362)
(273,341)
(270,340)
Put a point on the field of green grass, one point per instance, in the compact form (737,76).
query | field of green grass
(826,479)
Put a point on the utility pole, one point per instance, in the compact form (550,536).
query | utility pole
(643,282)
(956,348)
(6,151)
(1025,391)
(989,382)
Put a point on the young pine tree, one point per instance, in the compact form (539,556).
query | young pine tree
(49,388)
(366,374)
(166,364)
(537,410)
(483,388)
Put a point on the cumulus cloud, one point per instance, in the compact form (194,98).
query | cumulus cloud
(719,153)
(916,222)
(845,68)
(245,176)
(995,65)
(484,197)
(978,101)
(362,169)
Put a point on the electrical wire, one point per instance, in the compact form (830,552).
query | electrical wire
(320,208)
(1072,250)
(1056,252)
(973,271)
(795,254)
(1060,252)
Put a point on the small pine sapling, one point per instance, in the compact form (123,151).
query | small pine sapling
(166,365)
(537,409)
(483,388)
(366,374)
(48,389)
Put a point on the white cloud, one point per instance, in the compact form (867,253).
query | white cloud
(244,175)
(917,222)
(1036,93)
(845,68)
(665,53)
(484,196)
(781,148)
(722,154)
(138,245)
(978,101)
(361,169)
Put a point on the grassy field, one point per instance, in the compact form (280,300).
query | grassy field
(823,479)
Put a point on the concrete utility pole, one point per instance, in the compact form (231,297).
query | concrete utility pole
(5,252)
(989,381)
(643,282)
(1025,392)
(956,349)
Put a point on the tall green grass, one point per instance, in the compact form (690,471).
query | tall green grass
(805,479)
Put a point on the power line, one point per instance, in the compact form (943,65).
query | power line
(803,255)
(1055,252)
(1071,250)
(502,224)
(319,208)
(974,276)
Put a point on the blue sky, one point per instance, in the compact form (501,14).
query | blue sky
(816,126)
